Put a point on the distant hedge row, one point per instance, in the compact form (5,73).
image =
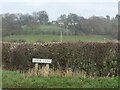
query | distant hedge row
(99,59)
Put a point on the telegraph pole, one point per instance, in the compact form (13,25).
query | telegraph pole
(61,36)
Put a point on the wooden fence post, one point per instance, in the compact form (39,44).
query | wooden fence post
(46,70)
(36,68)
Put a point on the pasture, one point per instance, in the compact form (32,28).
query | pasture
(55,38)
(42,28)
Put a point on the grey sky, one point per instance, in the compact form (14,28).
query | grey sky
(55,8)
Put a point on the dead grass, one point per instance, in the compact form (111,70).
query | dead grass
(59,73)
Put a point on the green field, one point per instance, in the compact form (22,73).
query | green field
(50,33)
(12,79)
(49,38)
(42,28)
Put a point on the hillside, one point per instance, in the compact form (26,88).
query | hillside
(43,29)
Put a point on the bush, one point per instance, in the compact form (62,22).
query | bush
(21,41)
(98,59)
(13,40)
(6,55)
(18,41)
(40,41)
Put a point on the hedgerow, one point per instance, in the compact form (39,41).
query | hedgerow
(98,59)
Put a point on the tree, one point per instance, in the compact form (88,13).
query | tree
(26,19)
(73,22)
(96,25)
(43,17)
(73,19)
(10,24)
(35,17)
(108,17)
(113,32)
(63,18)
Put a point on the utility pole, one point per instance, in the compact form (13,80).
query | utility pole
(61,36)
(67,29)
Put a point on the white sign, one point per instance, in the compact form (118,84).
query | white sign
(36,60)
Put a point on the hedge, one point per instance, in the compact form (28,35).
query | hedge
(99,59)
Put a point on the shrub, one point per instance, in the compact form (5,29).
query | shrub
(40,41)
(13,40)
(21,41)
(97,59)
(6,55)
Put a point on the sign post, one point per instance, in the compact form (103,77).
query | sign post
(45,68)
(36,68)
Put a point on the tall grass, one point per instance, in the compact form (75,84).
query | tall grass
(58,73)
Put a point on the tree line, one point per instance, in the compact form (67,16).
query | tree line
(12,24)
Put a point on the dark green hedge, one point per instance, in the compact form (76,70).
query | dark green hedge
(99,59)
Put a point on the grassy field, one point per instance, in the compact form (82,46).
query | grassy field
(35,33)
(12,79)
(43,28)
(49,38)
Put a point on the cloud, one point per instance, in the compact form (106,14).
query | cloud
(41,2)
(58,7)
(44,1)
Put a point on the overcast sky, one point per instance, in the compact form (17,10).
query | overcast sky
(55,8)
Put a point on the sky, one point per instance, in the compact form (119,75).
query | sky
(55,8)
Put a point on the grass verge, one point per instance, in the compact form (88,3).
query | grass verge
(13,79)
